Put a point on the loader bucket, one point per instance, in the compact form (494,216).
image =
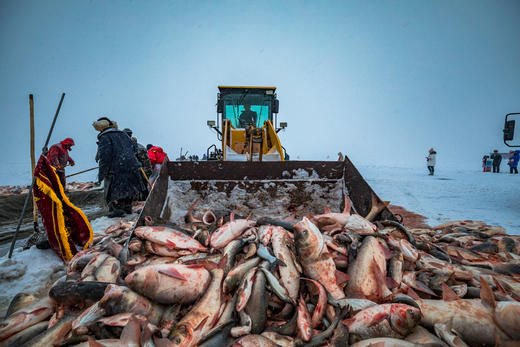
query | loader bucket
(263,189)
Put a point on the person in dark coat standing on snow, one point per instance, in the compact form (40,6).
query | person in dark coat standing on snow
(58,156)
(118,168)
(430,161)
(497,159)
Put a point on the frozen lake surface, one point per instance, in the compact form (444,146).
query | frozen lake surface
(450,194)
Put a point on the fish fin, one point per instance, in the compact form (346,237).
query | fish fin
(196,265)
(380,278)
(348,205)
(388,254)
(486,294)
(276,262)
(341,278)
(448,294)
(232,216)
(327,209)
(173,273)
(131,333)
(249,216)
(378,318)
(411,293)
(390,283)
(170,244)
(222,262)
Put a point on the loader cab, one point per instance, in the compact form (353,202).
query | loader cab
(247,106)
(247,125)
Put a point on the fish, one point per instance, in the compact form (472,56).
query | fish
(170,283)
(289,274)
(256,307)
(18,302)
(254,341)
(474,322)
(422,336)
(263,252)
(169,237)
(235,276)
(277,288)
(230,231)
(368,271)
(304,321)
(119,299)
(230,251)
(89,272)
(386,320)
(200,319)
(312,254)
(278,339)
(319,310)
(27,316)
(387,342)
(330,221)
(108,271)
(25,335)
(245,289)
(54,334)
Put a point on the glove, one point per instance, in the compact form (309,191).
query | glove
(72,163)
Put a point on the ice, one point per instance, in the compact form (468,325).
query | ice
(450,194)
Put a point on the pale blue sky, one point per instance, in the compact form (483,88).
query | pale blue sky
(382,81)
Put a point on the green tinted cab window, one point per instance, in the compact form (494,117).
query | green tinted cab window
(233,113)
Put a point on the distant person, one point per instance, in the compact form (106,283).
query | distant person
(118,168)
(430,161)
(340,156)
(497,159)
(485,167)
(514,156)
(59,158)
(247,117)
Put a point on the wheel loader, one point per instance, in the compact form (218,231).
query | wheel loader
(247,172)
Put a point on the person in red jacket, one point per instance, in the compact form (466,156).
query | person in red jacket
(58,156)
(157,156)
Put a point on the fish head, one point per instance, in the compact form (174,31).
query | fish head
(405,318)
(143,279)
(308,238)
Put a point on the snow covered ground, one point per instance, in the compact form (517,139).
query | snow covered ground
(450,194)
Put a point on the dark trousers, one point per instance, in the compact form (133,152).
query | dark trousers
(431,169)
(496,168)
(513,169)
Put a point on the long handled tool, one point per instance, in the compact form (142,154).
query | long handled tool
(145,177)
(123,255)
(80,172)
(44,152)
(33,161)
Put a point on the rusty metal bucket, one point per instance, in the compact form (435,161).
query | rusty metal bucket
(263,189)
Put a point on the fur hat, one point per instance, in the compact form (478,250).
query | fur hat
(68,141)
(104,123)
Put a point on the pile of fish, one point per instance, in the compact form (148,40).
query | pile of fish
(334,279)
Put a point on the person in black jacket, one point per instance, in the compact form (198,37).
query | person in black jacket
(118,168)
(497,158)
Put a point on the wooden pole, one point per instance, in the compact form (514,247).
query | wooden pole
(77,173)
(33,160)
